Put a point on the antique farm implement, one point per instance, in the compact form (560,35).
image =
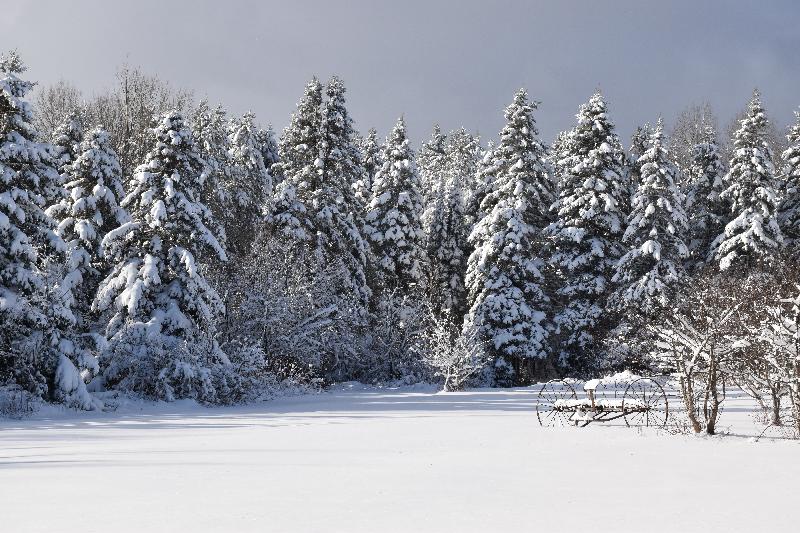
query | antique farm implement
(641,402)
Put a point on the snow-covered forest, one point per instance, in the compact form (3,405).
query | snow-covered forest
(159,247)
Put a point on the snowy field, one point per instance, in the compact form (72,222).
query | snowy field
(359,459)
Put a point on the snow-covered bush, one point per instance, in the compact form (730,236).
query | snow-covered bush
(16,402)
(454,355)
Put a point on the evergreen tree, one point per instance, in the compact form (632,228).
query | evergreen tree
(250,189)
(705,209)
(316,206)
(89,212)
(371,157)
(35,349)
(269,146)
(432,167)
(557,156)
(649,272)
(588,227)
(464,153)
(789,215)
(162,311)
(753,235)
(338,214)
(296,171)
(393,223)
(210,131)
(447,237)
(639,145)
(505,272)
(66,141)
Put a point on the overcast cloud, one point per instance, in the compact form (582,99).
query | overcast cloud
(456,63)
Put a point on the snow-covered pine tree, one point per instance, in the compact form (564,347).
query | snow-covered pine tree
(649,273)
(393,221)
(34,349)
(464,152)
(67,138)
(505,272)
(447,238)
(296,172)
(210,131)
(250,188)
(639,145)
(556,155)
(269,146)
(337,213)
(432,167)
(753,236)
(315,205)
(588,227)
(789,215)
(90,210)
(371,157)
(707,212)
(162,311)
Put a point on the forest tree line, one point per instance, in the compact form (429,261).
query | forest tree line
(167,249)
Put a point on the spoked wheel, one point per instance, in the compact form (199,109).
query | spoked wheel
(549,410)
(645,404)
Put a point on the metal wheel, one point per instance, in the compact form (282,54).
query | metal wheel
(645,404)
(547,410)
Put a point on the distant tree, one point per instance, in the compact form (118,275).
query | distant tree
(53,104)
(688,131)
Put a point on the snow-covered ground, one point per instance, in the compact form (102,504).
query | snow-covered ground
(360,459)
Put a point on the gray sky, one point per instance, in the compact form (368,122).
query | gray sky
(456,62)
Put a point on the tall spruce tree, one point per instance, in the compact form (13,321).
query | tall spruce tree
(316,209)
(36,351)
(393,221)
(651,270)
(753,236)
(588,227)
(162,312)
(67,138)
(210,131)
(639,145)
(371,157)
(296,171)
(447,235)
(432,167)
(789,215)
(707,212)
(338,215)
(250,189)
(505,272)
(89,212)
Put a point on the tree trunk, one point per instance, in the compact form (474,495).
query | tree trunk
(688,402)
(776,404)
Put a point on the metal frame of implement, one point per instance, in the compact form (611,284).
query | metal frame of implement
(643,403)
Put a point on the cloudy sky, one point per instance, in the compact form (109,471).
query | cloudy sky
(455,62)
